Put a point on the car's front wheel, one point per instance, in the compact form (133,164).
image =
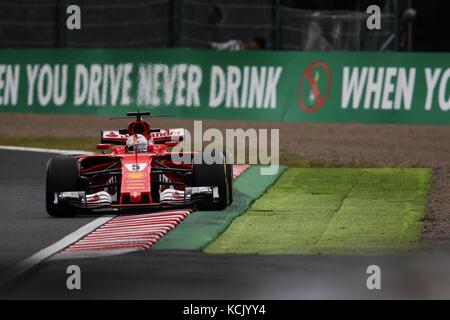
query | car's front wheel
(62,175)
(214,175)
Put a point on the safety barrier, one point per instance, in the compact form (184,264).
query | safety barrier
(251,85)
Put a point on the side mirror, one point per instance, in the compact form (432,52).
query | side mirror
(171,143)
(103,146)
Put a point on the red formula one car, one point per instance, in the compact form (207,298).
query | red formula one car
(138,175)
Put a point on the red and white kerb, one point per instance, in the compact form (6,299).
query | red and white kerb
(132,233)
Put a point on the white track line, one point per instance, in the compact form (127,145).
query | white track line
(91,254)
(44,150)
(40,256)
(70,239)
(53,249)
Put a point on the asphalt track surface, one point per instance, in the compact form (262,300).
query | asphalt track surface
(25,229)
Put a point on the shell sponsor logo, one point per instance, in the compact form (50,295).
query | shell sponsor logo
(135,185)
(136,175)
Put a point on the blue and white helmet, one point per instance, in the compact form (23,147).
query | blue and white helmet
(137,142)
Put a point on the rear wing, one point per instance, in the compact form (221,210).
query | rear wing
(159,136)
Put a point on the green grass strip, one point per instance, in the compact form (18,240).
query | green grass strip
(202,227)
(332,211)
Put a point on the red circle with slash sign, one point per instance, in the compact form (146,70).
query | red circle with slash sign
(308,75)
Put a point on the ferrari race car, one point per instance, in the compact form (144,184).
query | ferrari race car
(138,175)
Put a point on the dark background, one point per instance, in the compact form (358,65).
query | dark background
(431,26)
(196,23)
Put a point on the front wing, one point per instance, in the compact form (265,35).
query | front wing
(102,201)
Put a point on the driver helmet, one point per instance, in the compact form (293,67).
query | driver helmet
(137,143)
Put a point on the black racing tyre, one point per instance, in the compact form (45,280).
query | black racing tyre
(62,175)
(229,176)
(215,174)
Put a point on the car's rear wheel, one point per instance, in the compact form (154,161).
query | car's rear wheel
(214,175)
(62,175)
(229,176)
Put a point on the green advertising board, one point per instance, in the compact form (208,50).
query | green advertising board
(249,85)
